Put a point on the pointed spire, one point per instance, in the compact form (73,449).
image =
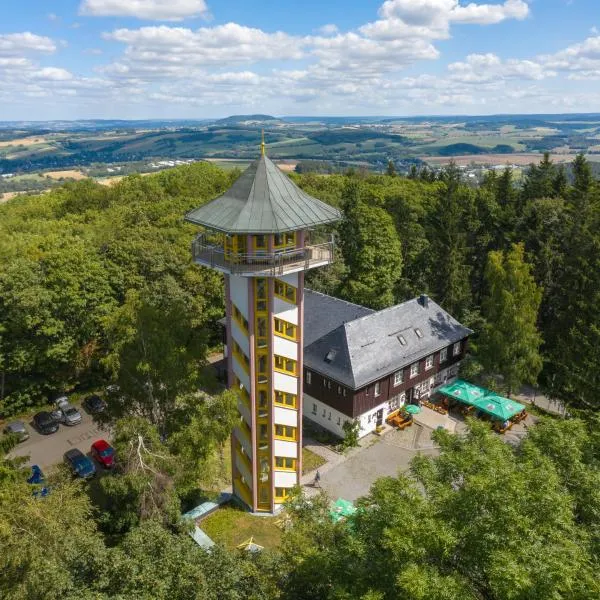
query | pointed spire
(262,143)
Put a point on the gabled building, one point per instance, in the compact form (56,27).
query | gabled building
(361,365)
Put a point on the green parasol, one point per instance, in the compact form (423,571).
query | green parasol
(412,409)
(341,509)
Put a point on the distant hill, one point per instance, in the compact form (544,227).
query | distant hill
(236,119)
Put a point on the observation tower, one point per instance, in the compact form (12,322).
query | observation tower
(260,235)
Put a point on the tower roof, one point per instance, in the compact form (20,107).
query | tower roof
(263,200)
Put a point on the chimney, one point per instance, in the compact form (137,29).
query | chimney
(424,300)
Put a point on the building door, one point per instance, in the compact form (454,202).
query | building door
(379,417)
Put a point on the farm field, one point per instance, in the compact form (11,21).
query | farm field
(112,150)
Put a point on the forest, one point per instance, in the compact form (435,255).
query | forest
(97,287)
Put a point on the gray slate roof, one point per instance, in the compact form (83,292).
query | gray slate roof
(323,313)
(367,348)
(263,200)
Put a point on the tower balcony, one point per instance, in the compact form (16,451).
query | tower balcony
(261,264)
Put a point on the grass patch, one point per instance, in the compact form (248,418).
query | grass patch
(311,461)
(230,526)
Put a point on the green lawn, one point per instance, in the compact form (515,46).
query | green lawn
(310,461)
(230,526)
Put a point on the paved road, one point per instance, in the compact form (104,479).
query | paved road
(48,450)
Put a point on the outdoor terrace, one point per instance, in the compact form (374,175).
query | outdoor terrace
(212,254)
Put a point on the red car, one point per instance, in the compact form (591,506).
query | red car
(104,453)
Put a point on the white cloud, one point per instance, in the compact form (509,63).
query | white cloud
(329,29)
(12,44)
(483,68)
(152,51)
(441,12)
(52,74)
(157,10)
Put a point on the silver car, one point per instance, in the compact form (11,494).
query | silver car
(18,428)
(66,413)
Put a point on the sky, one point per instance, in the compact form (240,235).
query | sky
(142,59)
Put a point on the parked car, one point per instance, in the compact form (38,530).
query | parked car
(37,475)
(45,422)
(94,404)
(17,428)
(66,413)
(104,453)
(80,464)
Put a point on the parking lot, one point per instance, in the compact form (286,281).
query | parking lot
(48,450)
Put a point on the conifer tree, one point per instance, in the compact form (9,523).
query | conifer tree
(510,344)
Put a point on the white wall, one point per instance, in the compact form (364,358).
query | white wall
(333,420)
(285,383)
(285,479)
(239,293)
(285,348)
(285,416)
(330,424)
(286,311)
(292,279)
(287,449)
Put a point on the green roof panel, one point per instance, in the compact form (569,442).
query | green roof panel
(263,200)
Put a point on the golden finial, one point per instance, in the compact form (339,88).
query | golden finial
(262,143)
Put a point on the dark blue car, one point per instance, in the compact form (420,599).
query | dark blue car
(80,464)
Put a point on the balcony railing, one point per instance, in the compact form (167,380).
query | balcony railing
(261,264)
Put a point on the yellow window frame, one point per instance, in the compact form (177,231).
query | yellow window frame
(283,290)
(286,432)
(282,493)
(286,365)
(284,463)
(281,398)
(239,318)
(285,329)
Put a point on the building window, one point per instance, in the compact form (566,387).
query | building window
(283,462)
(285,399)
(260,241)
(308,377)
(324,413)
(456,349)
(443,354)
(398,377)
(281,493)
(429,362)
(261,327)
(263,431)
(242,358)
(329,384)
(377,389)
(285,432)
(344,392)
(239,318)
(330,416)
(414,370)
(285,291)
(285,329)
(285,365)
(262,398)
(338,421)
(314,410)
(261,294)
